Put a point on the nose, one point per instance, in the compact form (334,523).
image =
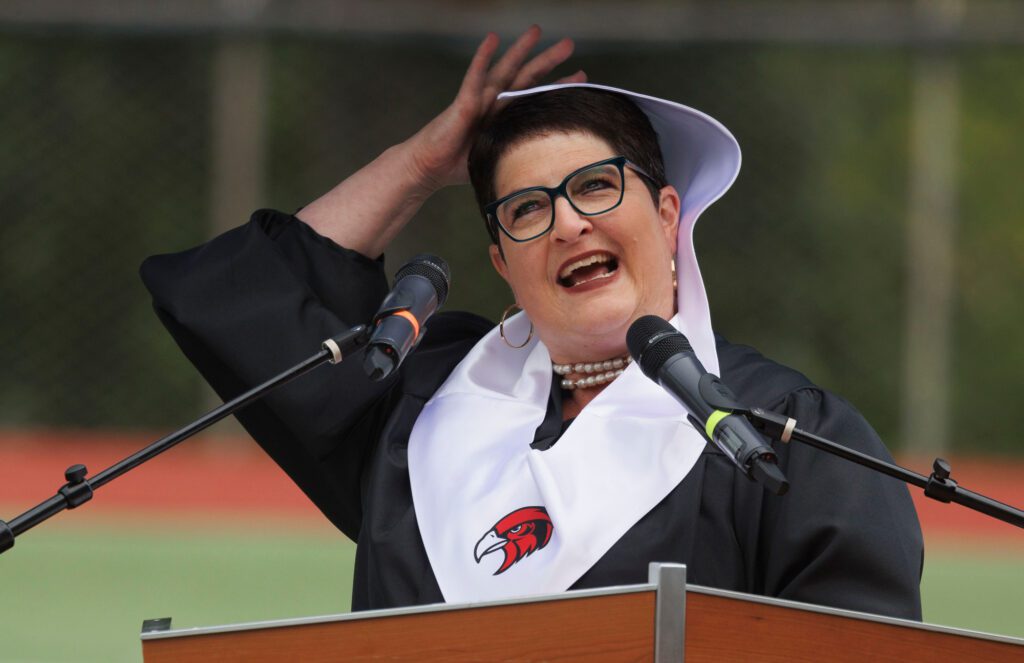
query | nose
(569,224)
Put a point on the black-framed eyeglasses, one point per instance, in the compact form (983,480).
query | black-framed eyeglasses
(591,190)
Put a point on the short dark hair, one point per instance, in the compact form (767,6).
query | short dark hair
(609,116)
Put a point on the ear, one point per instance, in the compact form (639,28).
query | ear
(668,211)
(500,266)
(498,261)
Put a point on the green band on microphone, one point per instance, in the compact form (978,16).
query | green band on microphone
(712,422)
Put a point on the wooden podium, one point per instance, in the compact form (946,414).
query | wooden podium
(664,620)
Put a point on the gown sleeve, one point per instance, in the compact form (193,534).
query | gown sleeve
(255,301)
(844,535)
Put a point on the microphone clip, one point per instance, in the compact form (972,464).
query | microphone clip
(761,464)
(397,302)
(718,396)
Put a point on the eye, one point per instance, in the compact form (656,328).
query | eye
(516,529)
(595,183)
(525,207)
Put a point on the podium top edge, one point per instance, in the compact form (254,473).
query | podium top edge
(397,612)
(577,594)
(841,612)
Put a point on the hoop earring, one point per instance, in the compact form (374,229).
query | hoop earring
(501,328)
(675,284)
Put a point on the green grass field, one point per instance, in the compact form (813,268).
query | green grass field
(78,589)
(73,594)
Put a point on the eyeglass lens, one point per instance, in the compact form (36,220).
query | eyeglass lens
(591,191)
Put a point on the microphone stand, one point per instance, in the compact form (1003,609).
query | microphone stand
(79,489)
(938,486)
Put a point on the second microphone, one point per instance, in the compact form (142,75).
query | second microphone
(665,355)
(421,287)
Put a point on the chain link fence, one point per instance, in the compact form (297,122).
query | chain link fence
(118,145)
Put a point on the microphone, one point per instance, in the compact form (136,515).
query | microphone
(665,356)
(421,286)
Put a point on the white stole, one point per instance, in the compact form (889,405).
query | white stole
(471,465)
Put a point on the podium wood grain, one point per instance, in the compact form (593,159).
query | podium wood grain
(588,629)
(615,627)
(725,629)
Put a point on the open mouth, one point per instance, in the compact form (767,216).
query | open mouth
(589,268)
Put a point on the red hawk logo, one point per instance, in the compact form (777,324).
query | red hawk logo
(518,534)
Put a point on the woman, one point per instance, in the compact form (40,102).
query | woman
(461,478)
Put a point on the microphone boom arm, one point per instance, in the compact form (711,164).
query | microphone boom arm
(79,489)
(938,486)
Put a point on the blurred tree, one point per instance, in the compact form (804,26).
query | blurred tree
(108,148)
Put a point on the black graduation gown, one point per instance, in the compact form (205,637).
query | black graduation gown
(262,297)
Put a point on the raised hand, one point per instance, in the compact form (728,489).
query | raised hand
(370,207)
(438,151)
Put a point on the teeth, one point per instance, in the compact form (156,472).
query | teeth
(589,260)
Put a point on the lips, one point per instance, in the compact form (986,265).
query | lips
(587,268)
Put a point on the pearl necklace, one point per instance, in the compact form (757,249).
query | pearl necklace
(600,372)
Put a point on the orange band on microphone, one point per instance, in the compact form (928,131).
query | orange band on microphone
(412,321)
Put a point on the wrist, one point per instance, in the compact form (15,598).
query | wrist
(422,169)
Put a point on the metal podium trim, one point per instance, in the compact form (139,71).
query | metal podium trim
(621,589)
(669,611)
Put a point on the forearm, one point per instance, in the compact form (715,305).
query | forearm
(368,209)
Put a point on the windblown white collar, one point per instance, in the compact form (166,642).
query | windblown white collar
(499,519)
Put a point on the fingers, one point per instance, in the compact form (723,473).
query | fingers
(541,65)
(476,75)
(504,71)
(579,77)
(480,86)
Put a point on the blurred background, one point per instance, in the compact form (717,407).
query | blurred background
(874,240)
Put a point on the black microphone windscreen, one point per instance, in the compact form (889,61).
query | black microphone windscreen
(433,269)
(651,341)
